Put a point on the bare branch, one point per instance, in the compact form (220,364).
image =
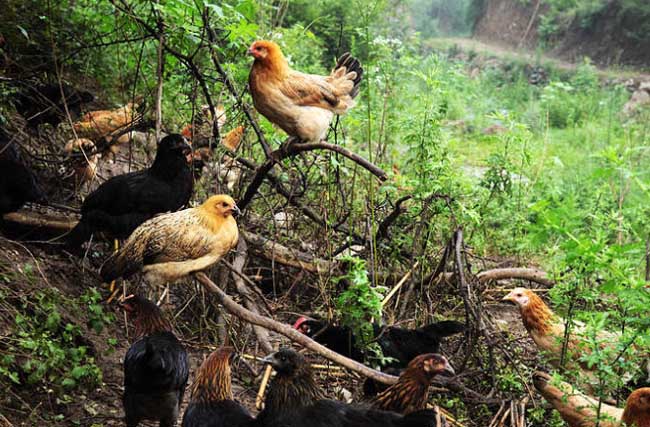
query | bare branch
(281,254)
(531,274)
(291,333)
(243,290)
(291,148)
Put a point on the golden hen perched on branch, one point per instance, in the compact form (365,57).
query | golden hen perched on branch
(171,246)
(303,105)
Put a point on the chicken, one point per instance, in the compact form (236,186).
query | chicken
(637,408)
(84,159)
(337,338)
(398,343)
(229,170)
(156,367)
(168,247)
(122,203)
(211,402)
(200,133)
(411,392)
(17,183)
(44,103)
(98,124)
(233,138)
(295,400)
(580,410)
(303,105)
(548,330)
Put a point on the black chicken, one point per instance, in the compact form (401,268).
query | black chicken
(122,203)
(156,367)
(295,400)
(211,401)
(44,103)
(398,343)
(17,183)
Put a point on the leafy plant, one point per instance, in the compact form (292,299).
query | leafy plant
(47,350)
(360,304)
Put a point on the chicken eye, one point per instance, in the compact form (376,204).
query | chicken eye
(258,48)
(224,204)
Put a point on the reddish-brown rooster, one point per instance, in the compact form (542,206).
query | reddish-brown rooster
(411,392)
(211,401)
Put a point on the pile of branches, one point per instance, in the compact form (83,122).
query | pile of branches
(238,285)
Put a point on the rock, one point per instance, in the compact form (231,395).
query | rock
(495,130)
(639,98)
(353,250)
(283,219)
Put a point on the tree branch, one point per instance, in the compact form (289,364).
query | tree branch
(243,290)
(291,333)
(531,274)
(281,254)
(291,148)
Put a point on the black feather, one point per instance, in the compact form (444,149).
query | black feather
(17,183)
(294,378)
(46,103)
(224,413)
(156,370)
(124,202)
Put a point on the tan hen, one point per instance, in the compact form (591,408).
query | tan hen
(171,246)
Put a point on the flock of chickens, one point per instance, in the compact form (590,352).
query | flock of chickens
(166,244)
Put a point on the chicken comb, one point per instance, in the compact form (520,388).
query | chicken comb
(300,321)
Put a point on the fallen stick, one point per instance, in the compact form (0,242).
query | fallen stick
(399,284)
(259,399)
(531,274)
(272,250)
(291,333)
(5,422)
(40,221)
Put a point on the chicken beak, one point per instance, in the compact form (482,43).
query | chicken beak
(508,298)
(268,360)
(250,51)
(448,370)
(236,210)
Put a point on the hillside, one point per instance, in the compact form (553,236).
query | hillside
(611,33)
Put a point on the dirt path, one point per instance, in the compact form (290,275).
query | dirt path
(507,52)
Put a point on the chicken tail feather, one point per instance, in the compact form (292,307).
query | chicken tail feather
(123,263)
(351,70)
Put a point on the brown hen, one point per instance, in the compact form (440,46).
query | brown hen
(303,105)
(581,410)
(98,124)
(211,400)
(548,330)
(411,392)
(171,246)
